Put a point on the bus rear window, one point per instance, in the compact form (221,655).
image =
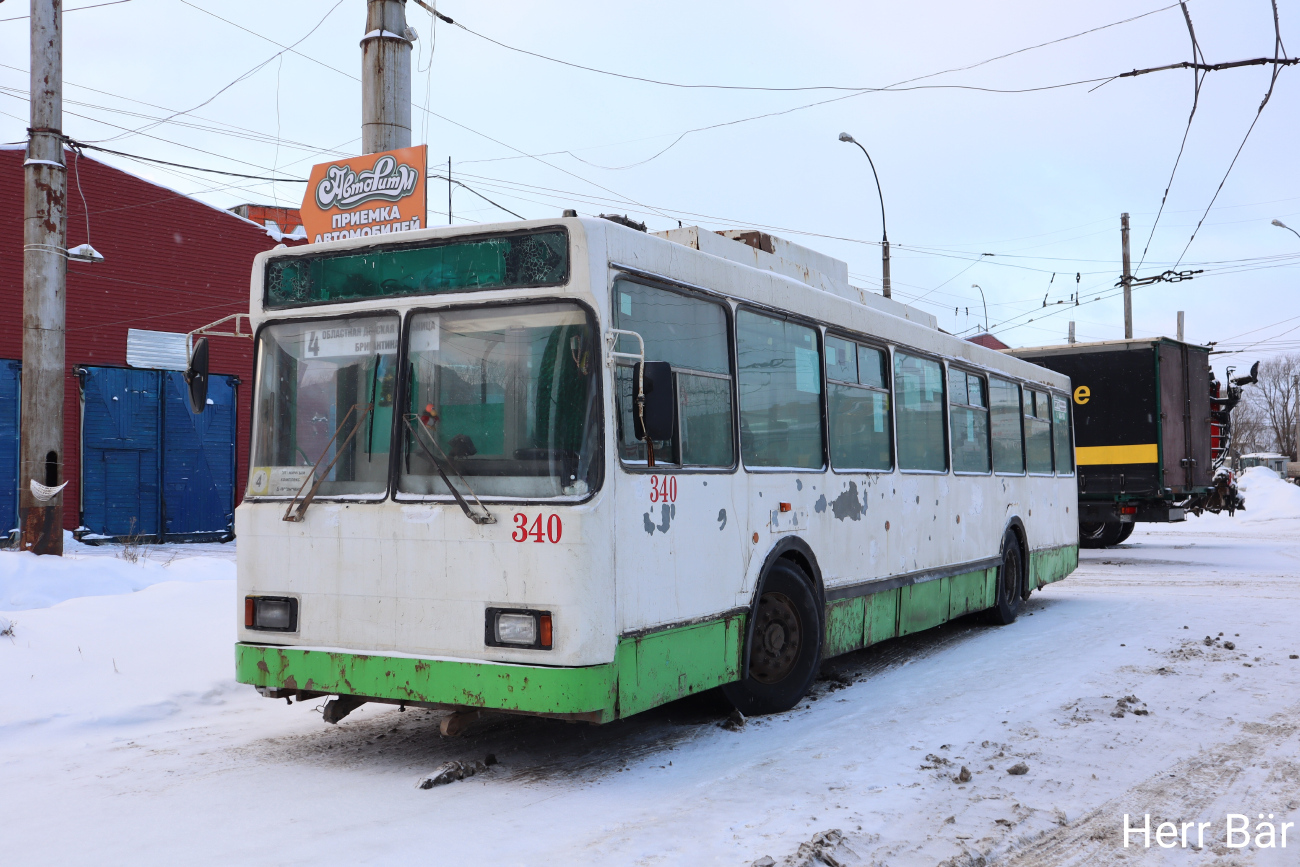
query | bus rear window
(526,259)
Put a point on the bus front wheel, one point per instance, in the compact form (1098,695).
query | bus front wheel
(1011,581)
(784,645)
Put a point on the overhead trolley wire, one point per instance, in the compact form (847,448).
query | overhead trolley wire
(1279,56)
(769,89)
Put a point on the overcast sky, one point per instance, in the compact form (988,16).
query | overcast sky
(1038,179)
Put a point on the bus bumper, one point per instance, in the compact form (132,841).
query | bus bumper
(589,693)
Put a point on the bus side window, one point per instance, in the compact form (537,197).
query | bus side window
(968,421)
(918,391)
(858,402)
(780,393)
(1008,441)
(1063,445)
(689,333)
(1038,432)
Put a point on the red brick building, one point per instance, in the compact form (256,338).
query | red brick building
(171,264)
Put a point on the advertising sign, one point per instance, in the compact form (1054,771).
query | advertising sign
(368,195)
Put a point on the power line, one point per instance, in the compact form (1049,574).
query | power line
(73,9)
(247,74)
(736,87)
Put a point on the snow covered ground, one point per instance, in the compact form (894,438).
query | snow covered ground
(124,739)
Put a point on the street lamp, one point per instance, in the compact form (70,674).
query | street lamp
(884,235)
(1285,226)
(986,306)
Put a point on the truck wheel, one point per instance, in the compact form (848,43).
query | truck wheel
(1011,582)
(1103,535)
(1126,531)
(785,644)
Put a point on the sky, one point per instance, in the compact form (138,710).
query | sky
(1037,178)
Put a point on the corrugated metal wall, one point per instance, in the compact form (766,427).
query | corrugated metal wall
(170,264)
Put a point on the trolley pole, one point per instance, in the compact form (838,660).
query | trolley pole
(385,78)
(44,285)
(1128,280)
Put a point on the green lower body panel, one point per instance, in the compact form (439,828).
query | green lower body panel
(1052,564)
(648,671)
(665,666)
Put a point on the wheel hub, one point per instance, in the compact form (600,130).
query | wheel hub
(778,639)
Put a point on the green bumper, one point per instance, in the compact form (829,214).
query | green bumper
(647,671)
(588,691)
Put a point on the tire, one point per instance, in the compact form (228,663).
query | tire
(785,644)
(1126,531)
(1011,581)
(1103,535)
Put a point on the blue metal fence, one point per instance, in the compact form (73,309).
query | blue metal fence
(10,381)
(150,466)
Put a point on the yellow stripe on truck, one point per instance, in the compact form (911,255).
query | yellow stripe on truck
(1148,453)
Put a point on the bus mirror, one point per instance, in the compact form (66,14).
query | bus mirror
(653,381)
(196,376)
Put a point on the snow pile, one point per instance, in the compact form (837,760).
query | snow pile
(1268,498)
(28,581)
(118,660)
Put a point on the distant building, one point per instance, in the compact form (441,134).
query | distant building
(988,340)
(136,460)
(280,223)
(1275,462)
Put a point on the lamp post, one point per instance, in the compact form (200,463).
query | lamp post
(986,306)
(1283,225)
(884,235)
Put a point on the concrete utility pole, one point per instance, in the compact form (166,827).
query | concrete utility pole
(385,78)
(1128,280)
(1180,326)
(45,269)
(1070,339)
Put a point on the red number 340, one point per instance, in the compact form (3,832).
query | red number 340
(550,532)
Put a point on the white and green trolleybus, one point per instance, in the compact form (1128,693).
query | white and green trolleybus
(572,469)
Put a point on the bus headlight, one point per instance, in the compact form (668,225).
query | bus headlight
(271,613)
(518,627)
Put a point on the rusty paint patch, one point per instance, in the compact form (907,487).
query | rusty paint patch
(261,666)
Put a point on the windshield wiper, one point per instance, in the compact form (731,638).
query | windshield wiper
(485,518)
(311,495)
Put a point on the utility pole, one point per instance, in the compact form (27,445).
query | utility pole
(45,270)
(1070,339)
(1128,280)
(1180,326)
(385,78)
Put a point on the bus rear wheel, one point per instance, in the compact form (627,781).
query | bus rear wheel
(784,646)
(1011,581)
(1126,532)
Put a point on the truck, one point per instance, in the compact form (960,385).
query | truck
(1152,429)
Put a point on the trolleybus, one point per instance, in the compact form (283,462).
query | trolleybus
(572,469)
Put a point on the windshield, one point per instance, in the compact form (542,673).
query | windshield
(324,393)
(504,398)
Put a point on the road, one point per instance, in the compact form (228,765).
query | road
(162,759)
